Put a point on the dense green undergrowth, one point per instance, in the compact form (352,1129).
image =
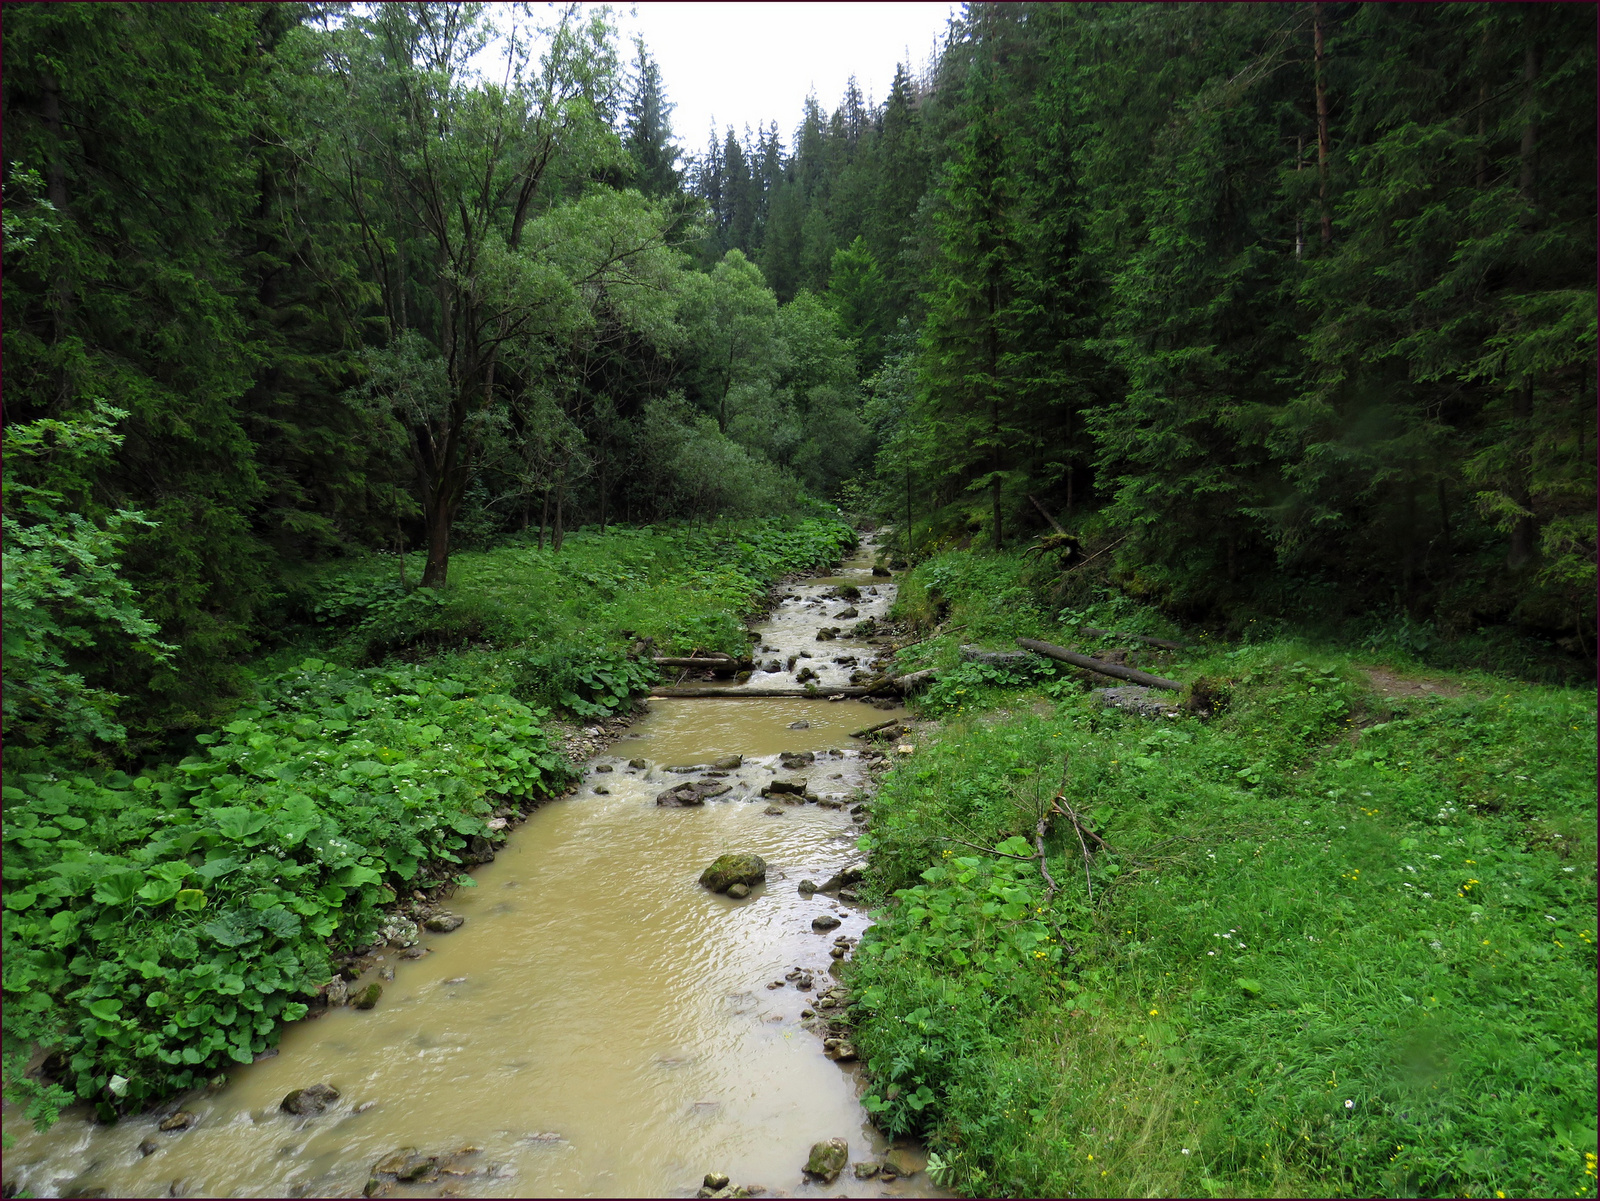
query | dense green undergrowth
(1342,943)
(162,926)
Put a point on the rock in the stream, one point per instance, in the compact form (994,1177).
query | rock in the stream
(846,614)
(691,793)
(443,923)
(368,996)
(728,762)
(807,887)
(777,787)
(824,921)
(865,1170)
(309,1101)
(827,1160)
(716,1180)
(738,891)
(842,879)
(638,764)
(881,572)
(149,1147)
(773,811)
(728,870)
(400,932)
(903,1161)
(791,760)
(408,1164)
(799,725)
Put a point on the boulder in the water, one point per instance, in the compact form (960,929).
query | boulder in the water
(903,1161)
(799,725)
(846,614)
(728,762)
(794,787)
(795,759)
(181,1120)
(827,1160)
(728,870)
(807,887)
(309,1101)
(684,795)
(368,996)
(443,923)
(824,921)
(738,891)
(408,1164)
(638,764)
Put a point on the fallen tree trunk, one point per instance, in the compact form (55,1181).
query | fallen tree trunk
(718,664)
(877,729)
(911,680)
(767,694)
(1148,641)
(1133,676)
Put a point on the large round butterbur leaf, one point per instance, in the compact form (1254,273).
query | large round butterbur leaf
(118,888)
(189,899)
(159,892)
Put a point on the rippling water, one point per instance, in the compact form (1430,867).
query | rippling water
(601,1024)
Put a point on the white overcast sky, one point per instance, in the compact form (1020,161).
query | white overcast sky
(746,63)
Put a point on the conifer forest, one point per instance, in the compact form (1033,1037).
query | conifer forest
(397,386)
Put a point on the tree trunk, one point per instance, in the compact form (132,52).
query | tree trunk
(1522,533)
(994,409)
(544,518)
(1527,177)
(439,518)
(1130,674)
(558,534)
(1319,32)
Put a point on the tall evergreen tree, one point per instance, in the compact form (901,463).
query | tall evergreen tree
(647,134)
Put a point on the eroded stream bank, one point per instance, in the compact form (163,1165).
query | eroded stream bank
(600,1025)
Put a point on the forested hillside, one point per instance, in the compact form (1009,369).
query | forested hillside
(1292,302)
(1289,309)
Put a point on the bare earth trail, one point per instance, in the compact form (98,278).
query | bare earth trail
(601,1025)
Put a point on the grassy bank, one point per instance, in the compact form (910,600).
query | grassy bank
(1342,942)
(160,927)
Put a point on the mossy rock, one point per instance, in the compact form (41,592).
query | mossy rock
(728,870)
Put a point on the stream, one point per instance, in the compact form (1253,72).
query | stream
(601,1025)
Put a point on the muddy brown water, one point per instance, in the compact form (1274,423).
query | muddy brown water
(601,1025)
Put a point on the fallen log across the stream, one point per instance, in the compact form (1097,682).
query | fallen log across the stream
(764,694)
(716,664)
(1132,675)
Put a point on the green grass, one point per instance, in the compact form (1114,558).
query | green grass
(1342,945)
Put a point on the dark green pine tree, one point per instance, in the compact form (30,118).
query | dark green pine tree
(647,134)
(965,394)
(736,218)
(138,120)
(901,180)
